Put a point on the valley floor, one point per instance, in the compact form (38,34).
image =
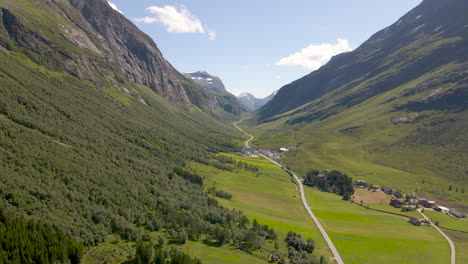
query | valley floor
(270,196)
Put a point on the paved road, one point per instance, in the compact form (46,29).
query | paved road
(336,255)
(452,246)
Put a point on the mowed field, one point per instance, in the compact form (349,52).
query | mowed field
(366,236)
(459,238)
(270,197)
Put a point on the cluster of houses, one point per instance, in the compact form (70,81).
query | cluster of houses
(283,149)
(408,203)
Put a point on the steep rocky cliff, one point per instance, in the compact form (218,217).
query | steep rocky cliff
(93,42)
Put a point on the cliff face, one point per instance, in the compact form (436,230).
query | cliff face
(93,42)
(133,51)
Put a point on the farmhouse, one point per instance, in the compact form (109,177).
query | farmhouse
(442,209)
(398,195)
(386,190)
(374,187)
(360,183)
(397,203)
(427,204)
(411,208)
(415,221)
(456,213)
(283,149)
(413,201)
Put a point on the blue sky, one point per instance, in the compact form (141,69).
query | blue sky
(258,46)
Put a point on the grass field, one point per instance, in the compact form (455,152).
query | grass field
(447,221)
(366,236)
(271,198)
(459,238)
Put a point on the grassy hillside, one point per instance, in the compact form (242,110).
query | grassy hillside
(367,145)
(391,112)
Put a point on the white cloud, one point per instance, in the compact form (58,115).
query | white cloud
(176,20)
(146,20)
(314,56)
(278,77)
(114,6)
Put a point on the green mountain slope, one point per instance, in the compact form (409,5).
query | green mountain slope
(91,144)
(393,111)
(90,40)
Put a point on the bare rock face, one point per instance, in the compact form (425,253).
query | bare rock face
(93,42)
(135,53)
(410,118)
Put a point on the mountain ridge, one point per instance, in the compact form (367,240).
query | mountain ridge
(351,69)
(396,104)
(93,42)
(253,103)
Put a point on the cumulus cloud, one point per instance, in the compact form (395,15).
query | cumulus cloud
(176,20)
(114,6)
(146,20)
(314,56)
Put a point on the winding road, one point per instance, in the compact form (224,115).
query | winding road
(332,247)
(452,246)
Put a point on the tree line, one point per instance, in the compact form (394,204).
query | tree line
(333,181)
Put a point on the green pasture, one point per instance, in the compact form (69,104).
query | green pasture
(271,198)
(365,236)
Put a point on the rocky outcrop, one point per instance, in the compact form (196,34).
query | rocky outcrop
(93,42)
(132,50)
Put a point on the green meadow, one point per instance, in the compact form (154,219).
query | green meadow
(459,238)
(366,236)
(271,198)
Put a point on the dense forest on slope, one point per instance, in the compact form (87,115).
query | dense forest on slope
(28,242)
(94,145)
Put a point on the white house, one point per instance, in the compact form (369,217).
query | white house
(443,209)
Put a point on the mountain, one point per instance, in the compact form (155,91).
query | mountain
(253,103)
(92,42)
(219,96)
(207,81)
(429,37)
(96,130)
(393,111)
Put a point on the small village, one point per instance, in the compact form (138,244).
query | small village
(407,202)
(410,202)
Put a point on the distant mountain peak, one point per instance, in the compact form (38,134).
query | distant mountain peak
(207,81)
(253,103)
